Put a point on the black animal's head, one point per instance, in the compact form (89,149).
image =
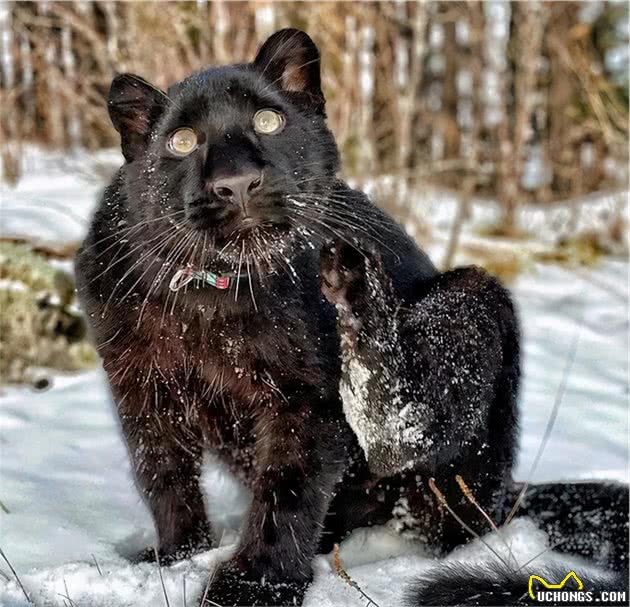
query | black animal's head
(231,156)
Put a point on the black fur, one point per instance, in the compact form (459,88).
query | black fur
(495,584)
(586,518)
(429,383)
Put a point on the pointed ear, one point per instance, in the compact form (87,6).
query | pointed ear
(291,59)
(134,108)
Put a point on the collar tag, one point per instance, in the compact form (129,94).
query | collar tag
(186,275)
(181,278)
(219,282)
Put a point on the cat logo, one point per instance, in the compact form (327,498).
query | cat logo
(567,577)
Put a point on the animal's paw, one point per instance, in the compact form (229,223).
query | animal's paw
(232,586)
(342,273)
(168,555)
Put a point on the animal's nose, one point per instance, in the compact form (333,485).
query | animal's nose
(239,188)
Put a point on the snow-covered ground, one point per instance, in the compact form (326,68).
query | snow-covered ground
(73,510)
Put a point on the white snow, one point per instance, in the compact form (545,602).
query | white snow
(55,197)
(354,394)
(65,478)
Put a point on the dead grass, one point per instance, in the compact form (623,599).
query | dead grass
(502,262)
(40,328)
(499,230)
(345,576)
(585,249)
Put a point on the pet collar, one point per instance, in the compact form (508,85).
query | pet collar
(202,278)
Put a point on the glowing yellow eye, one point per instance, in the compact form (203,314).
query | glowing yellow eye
(268,122)
(182,142)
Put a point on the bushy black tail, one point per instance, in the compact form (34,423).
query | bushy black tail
(589,519)
(495,584)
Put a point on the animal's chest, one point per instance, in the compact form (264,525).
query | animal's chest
(240,359)
(221,380)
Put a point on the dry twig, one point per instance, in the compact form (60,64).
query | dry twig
(15,575)
(554,414)
(97,566)
(443,502)
(345,576)
(157,560)
(468,494)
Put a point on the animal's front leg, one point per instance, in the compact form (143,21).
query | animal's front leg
(166,461)
(300,460)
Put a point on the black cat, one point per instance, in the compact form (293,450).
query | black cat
(429,384)
(200,278)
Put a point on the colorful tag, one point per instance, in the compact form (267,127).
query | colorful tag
(181,278)
(222,282)
(219,282)
(186,275)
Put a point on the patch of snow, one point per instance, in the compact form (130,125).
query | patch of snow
(56,196)
(354,394)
